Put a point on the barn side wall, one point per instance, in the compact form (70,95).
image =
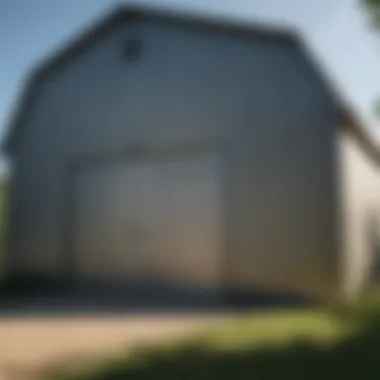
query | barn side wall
(360,215)
(257,102)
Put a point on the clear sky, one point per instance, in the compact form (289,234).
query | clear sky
(338,33)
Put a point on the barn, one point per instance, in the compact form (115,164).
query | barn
(171,150)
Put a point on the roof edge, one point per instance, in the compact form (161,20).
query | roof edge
(350,123)
(119,15)
(216,23)
(347,117)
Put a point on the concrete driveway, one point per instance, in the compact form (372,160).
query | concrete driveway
(29,341)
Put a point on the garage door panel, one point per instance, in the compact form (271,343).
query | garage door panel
(150,220)
(193,204)
(131,228)
(89,227)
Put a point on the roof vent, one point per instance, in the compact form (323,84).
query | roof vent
(132,50)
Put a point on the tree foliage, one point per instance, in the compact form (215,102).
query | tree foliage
(373,8)
(372,3)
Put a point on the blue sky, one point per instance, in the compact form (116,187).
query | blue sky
(336,30)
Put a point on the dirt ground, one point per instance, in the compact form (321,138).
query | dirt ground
(29,342)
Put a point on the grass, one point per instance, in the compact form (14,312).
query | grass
(278,345)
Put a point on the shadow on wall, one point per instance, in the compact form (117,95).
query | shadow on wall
(376,268)
(3,223)
(136,301)
(373,236)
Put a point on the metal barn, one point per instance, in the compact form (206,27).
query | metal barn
(190,152)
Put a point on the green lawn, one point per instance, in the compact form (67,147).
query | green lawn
(277,345)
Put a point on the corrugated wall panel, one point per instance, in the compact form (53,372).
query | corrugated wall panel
(258,102)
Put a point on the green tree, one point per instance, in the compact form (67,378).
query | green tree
(372,7)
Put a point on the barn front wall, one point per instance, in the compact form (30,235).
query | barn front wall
(256,105)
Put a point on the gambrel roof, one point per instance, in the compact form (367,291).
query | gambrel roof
(346,117)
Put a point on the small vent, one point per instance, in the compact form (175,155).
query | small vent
(134,150)
(132,50)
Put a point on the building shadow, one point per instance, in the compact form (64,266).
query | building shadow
(49,298)
(352,358)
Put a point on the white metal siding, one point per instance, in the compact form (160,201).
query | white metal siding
(360,204)
(258,101)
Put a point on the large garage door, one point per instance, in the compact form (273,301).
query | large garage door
(155,221)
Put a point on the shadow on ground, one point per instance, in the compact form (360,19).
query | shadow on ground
(356,356)
(48,299)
